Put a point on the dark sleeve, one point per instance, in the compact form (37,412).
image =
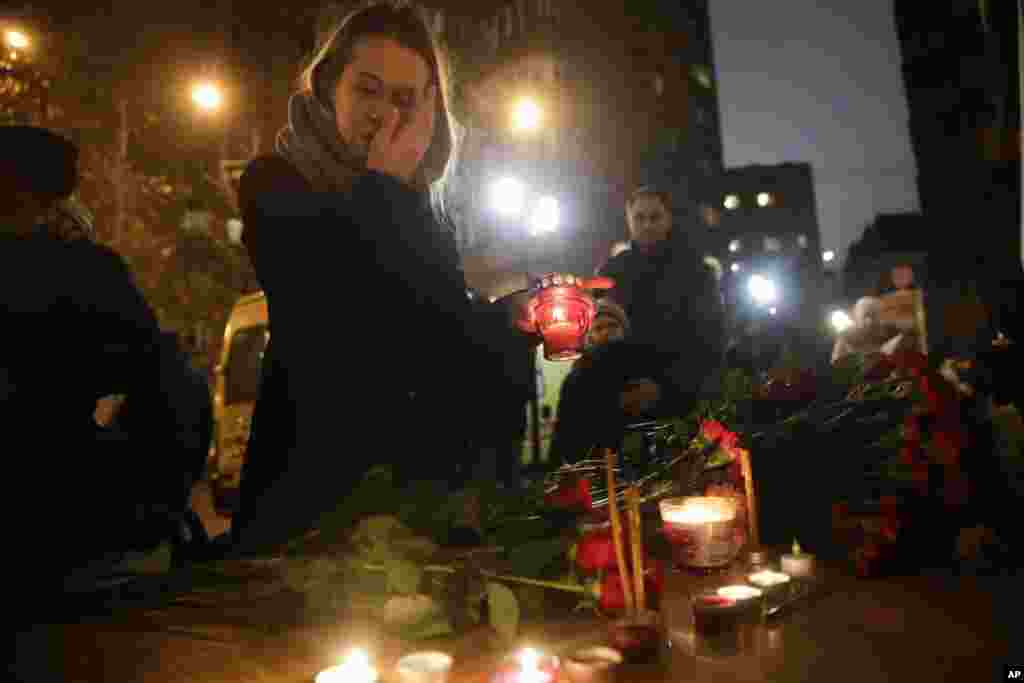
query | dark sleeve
(113,306)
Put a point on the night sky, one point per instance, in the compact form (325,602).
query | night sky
(819,81)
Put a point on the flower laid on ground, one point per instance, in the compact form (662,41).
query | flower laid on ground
(610,593)
(572,494)
(595,551)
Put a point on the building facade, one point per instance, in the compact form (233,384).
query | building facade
(960,64)
(766,223)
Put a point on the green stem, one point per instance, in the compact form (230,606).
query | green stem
(444,569)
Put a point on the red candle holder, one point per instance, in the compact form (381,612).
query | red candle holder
(562,314)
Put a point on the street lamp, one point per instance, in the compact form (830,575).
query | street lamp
(545,217)
(840,321)
(527,114)
(828,256)
(508,195)
(16,40)
(762,289)
(207,96)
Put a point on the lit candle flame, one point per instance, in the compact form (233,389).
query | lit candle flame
(558,314)
(355,669)
(529,662)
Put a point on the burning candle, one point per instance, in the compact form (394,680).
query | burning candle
(701,530)
(424,667)
(355,669)
(714,614)
(799,564)
(768,579)
(562,314)
(528,666)
(739,592)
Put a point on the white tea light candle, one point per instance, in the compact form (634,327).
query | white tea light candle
(799,564)
(768,579)
(424,667)
(701,530)
(739,592)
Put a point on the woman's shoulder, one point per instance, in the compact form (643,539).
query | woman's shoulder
(269,173)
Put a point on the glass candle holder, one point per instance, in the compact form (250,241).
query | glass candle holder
(592,665)
(562,315)
(701,531)
(640,637)
(424,667)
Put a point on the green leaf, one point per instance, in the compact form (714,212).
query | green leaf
(503,610)
(533,558)
(404,577)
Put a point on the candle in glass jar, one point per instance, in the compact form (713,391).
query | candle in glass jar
(701,530)
(355,669)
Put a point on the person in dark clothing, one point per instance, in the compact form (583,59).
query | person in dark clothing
(349,191)
(76,329)
(674,305)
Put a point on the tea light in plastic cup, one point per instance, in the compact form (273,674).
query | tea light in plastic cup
(700,530)
(739,592)
(355,669)
(593,665)
(424,667)
(799,564)
(768,579)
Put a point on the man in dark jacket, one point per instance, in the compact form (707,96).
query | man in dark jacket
(75,329)
(672,299)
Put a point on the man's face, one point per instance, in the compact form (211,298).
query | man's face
(605,329)
(649,221)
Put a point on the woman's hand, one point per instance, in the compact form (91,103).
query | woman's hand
(399,146)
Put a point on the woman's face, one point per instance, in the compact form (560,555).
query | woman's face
(381,75)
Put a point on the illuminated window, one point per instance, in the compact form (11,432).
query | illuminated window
(772,244)
(731,202)
(765,199)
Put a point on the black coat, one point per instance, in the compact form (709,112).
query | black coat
(676,315)
(375,354)
(75,329)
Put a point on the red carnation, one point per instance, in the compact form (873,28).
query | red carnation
(713,430)
(612,596)
(596,551)
(572,495)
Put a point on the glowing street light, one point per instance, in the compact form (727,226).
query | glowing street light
(527,114)
(840,321)
(508,196)
(773,310)
(207,96)
(735,246)
(828,256)
(546,216)
(735,267)
(16,40)
(762,289)
(764,199)
(731,202)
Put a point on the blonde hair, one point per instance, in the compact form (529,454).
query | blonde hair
(409,26)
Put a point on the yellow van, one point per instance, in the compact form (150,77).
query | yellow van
(236,387)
